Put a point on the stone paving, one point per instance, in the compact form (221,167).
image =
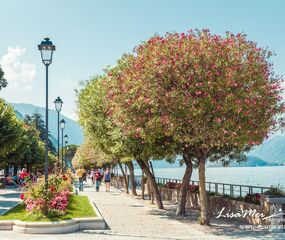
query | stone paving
(130,218)
(9,197)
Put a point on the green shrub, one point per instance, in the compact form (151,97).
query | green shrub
(275,191)
(252,198)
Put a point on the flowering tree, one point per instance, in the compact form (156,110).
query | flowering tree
(89,154)
(206,95)
(103,129)
(103,141)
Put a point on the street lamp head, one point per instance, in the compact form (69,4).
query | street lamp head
(58,104)
(46,47)
(62,124)
(65,137)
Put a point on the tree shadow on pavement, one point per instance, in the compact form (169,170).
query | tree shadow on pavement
(219,227)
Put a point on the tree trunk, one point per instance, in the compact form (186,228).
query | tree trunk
(184,186)
(148,189)
(142,185)
(125,178)
(6,171)
(204,219)
(132,177)
(151,191)
(15,170)
(152,182)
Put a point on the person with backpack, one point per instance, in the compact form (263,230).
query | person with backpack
(107,179)
(98,178)
(80,174)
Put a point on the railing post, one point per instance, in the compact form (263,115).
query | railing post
(240,193)
(216,188)
(223,189)
(231,190)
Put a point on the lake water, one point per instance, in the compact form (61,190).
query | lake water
(257,176)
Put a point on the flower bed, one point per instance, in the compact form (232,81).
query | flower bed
(78,207)
(52,201)
(81,214)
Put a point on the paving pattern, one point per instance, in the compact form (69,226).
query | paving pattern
(130,218)
(8,199)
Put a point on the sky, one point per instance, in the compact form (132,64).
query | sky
(91,34)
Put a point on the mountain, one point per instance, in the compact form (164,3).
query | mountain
(251,161)
(72,128)
(272,150)
(19,115)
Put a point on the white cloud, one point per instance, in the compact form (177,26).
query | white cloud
(17,72)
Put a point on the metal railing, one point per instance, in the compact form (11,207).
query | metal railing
(233,190)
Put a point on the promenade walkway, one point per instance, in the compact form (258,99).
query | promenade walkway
(9,197)
(132,217)
(129,218)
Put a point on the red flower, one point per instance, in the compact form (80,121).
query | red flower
(22,196)
(64,177)
(257,196)
(52,188)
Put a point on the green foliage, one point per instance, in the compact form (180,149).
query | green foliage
(10,129)
(278,190)
(20,143)
(30,149)
(37,122)
(252,198)
(3,82)
(89,155)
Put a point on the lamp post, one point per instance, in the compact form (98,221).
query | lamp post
(58,105)
(46,48)
(65,141)
(62,126)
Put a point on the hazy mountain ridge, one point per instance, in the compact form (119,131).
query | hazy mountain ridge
(272,151)
(72,128)
(252,161)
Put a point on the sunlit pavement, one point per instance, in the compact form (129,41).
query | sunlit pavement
(129,218)
(9,197)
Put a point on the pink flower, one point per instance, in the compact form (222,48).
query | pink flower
(218,120)
(22,196)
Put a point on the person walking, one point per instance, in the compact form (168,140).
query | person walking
(80,173)
(98,178)
(23,178)
(107,179)
(92,175)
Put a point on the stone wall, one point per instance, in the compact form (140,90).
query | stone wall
(215,203)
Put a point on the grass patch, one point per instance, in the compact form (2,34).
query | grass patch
(78,207)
